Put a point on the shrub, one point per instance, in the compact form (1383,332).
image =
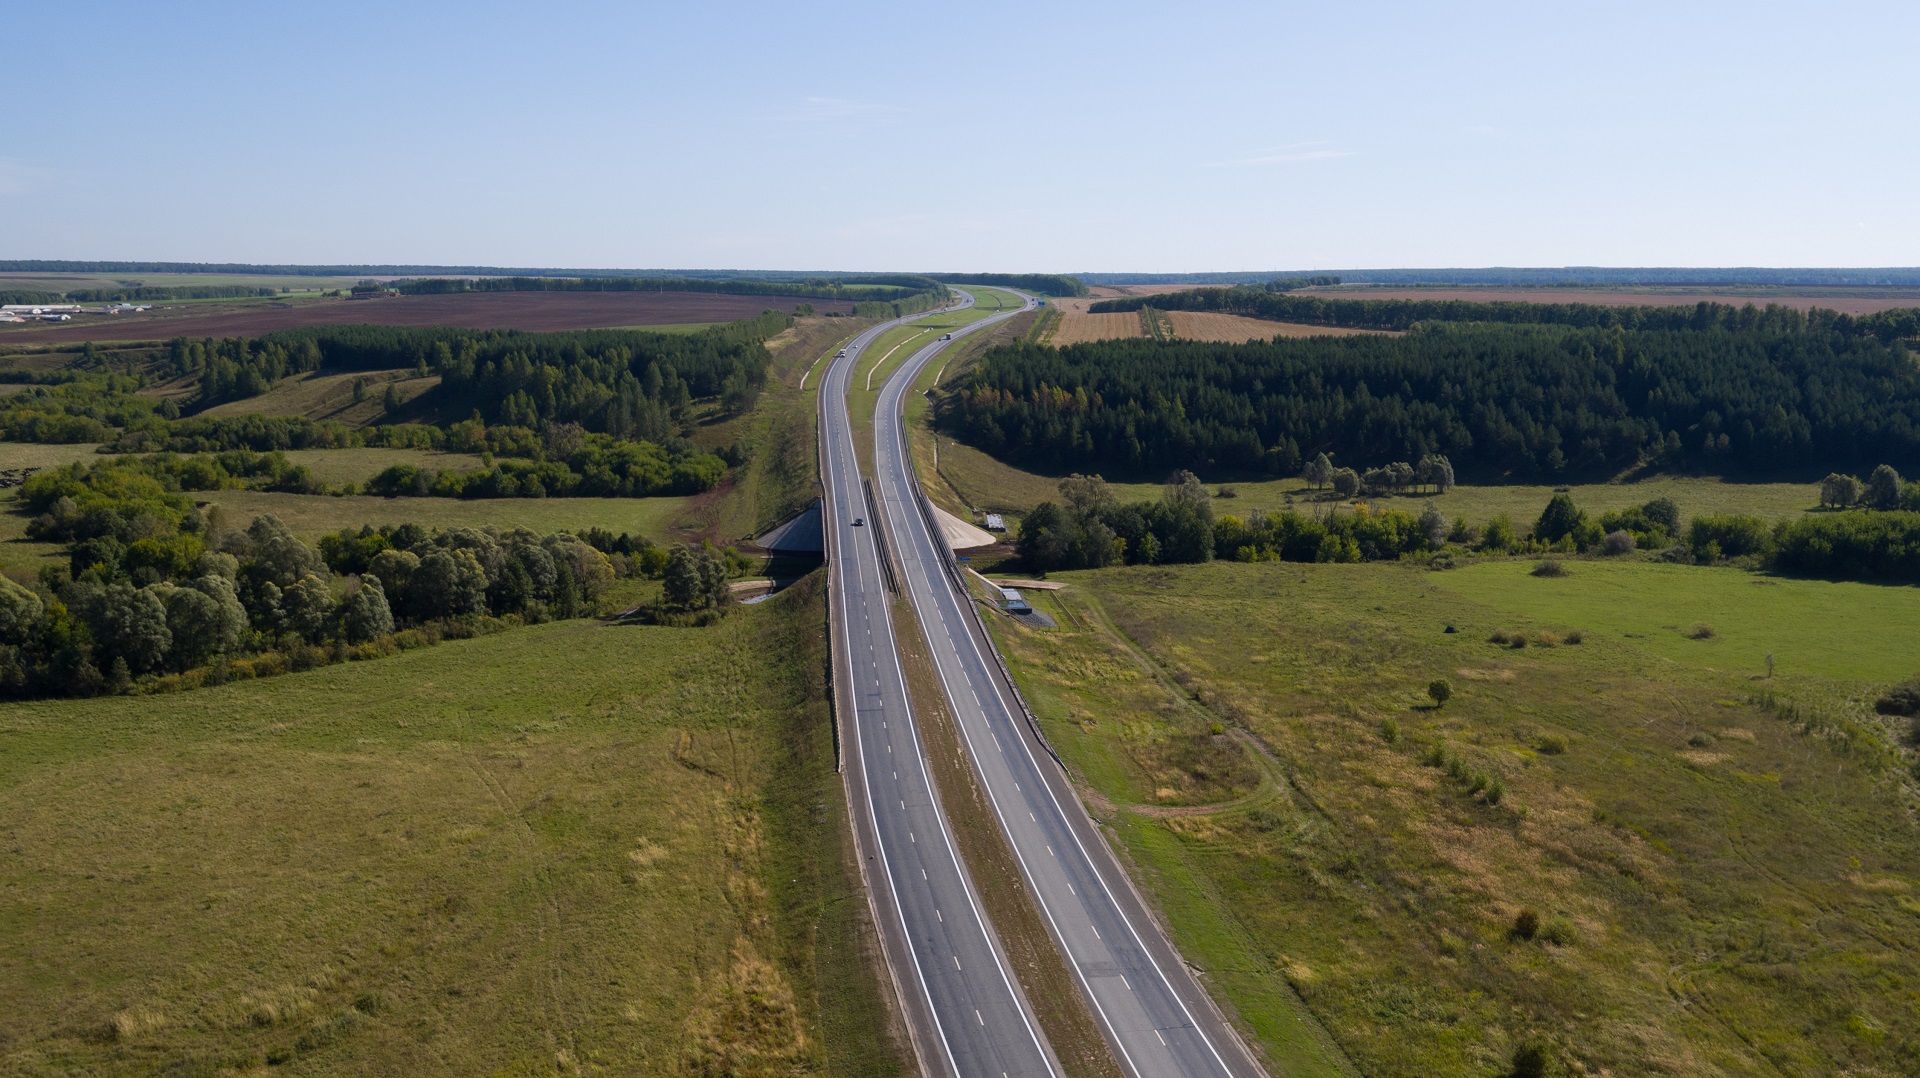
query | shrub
(1574,637)
(1499,637)
(1902,699)
(1553,745)
(1436,756)
(1478,781)
(1619,542)
(1496,792)
(1531,1060)
(1550,567)
(1702,631)
(1517,640)
(1526,925)
(1559,931)
(1729,535)
(1390,730)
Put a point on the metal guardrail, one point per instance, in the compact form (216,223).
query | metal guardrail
(954,578)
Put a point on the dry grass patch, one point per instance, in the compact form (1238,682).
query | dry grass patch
(1695,909)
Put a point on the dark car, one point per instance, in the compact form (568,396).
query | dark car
(857,521)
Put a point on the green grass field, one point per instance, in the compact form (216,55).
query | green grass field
(989,484)
(1732,888)
(310,516)
(446,862)
(330,397)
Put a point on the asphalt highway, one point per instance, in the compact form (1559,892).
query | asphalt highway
(1157,1019)
(964,1009)
(967,1013)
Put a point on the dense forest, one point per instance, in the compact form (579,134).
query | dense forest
(626,383)
(1403,314)
(873,287)
(1749,391)
(1048,284)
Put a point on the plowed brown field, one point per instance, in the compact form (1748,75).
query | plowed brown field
(1236,329)
(486,310)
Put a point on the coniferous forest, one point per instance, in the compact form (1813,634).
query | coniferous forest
(1733,390)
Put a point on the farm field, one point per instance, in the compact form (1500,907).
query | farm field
(1717,888)
(451,861)
(1075,325)
(1846,300)
(1238,329)
(538,311)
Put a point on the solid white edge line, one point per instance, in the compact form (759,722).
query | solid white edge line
(898,439)
(886,618)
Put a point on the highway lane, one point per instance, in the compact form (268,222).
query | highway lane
(1157,1018)
(967,1014)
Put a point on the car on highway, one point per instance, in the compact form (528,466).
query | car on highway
(858,521)
(947,337)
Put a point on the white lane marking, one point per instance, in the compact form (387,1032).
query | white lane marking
(1163,1040)
(923,873)
(1071,891)
(1050,852)
(910,837)
(941,916)
(1030,817)
(996,742)
(976,1014)
(1123,980)
(1096,931)
(903,806)
(956,961)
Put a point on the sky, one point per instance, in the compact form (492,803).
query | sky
(1039,137)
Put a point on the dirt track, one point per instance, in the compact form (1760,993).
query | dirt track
(486,310)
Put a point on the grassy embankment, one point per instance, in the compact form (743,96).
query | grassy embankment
(1721,887)
(447,863)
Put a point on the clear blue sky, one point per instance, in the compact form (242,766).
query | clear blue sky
(1059,137)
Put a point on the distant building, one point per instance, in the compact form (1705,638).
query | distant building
(1014,603)
(996,523)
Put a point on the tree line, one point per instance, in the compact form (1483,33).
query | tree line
(1090,529)
(1775,393)
(1047,284)
(872,287)
(1405,314)
(138,292)
(158,595)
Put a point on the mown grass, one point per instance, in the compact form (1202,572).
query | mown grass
(564,848)
(1731,881)
(313,515)
(990,484)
